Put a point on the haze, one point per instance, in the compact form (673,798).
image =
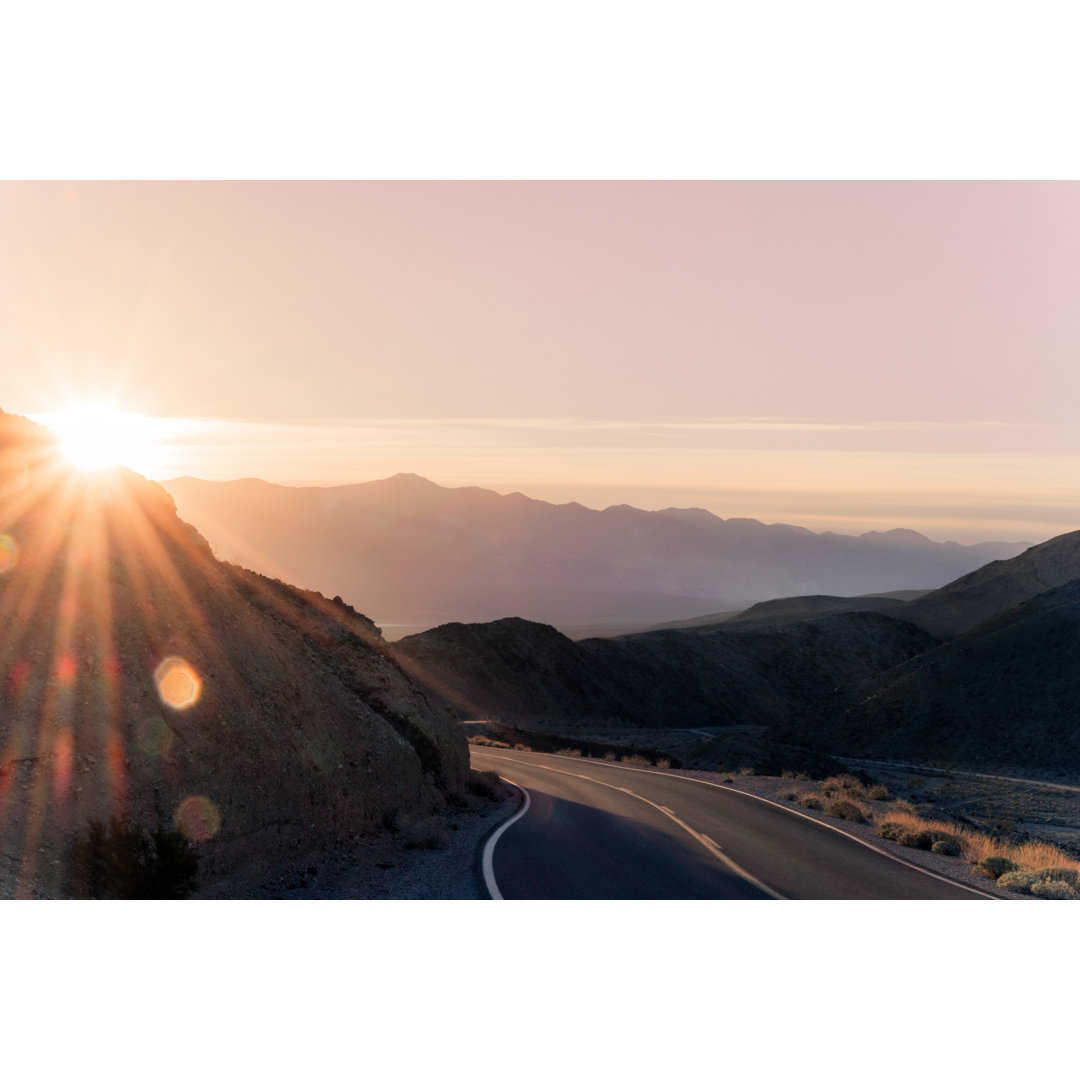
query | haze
(844,356)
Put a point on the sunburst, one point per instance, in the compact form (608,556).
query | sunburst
(96,436)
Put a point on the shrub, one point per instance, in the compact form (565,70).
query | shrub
(925,839)
(950,846)
(486,783)
(811,802)
(1053,890)
(1059,873)
(664,763)
(790,774)
(121,861)
(993,866)
(846,809)
(879,793)
(634,759)
(790,796)
(1016,881)
(891,830)
(569,751)
(610,755)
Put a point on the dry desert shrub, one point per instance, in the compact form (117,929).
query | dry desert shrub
(990,856)
(879,793)
(485,783)
(846,810)
(811,802)
(634,759)
(844,784)
(568,751)
(664,763)
(1054,890)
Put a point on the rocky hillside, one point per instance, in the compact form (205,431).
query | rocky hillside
(1001,697)
(141,677)
(995,689)
(530,675)
(411,552)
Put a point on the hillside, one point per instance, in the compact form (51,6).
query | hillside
(411,552)
(530,675)
(141,677)
(999,693)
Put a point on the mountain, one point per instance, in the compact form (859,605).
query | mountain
(141,678)
(996,688)
(408,551)
(995,588)
(530,675)
(1001,696)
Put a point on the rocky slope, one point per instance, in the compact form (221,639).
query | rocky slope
(995,688)
(528,674)
(141,677)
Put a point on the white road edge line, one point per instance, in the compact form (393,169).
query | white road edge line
(806,817)
(709,845)
(489,847)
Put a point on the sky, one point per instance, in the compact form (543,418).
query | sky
(841,355)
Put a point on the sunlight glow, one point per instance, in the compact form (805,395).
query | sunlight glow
(94,437)
(9,553)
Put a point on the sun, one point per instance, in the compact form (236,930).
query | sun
(95,437)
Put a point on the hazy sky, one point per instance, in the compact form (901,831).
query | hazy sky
(840,355)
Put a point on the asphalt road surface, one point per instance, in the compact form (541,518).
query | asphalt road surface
(598,831)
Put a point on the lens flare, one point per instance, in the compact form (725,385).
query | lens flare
(66,669)
(197,818)
(63,756)
(9,553)
(155,736)
(178,683)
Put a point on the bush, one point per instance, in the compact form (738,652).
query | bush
(879,793)
(950,846)
(1053,890)
(486,783)
(844,808)
(790,796)
(1060,873)
(569,751)
(811,802)
(891,830)
(1016,881)
(121,861)
(664,763)
(994,866)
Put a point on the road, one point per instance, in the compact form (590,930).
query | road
(599,831)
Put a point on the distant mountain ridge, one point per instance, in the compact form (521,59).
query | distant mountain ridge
(406,550)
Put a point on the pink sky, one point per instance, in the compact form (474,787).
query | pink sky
(841,355)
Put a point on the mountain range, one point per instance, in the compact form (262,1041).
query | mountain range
(412,553)
(984,672)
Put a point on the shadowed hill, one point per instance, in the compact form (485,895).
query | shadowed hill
(411,552)
(529,674)
(995,588)
(1000,696)
(140,677)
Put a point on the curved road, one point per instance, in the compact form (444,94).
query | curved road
(599,831)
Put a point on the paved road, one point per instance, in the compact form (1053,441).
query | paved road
(596,831)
